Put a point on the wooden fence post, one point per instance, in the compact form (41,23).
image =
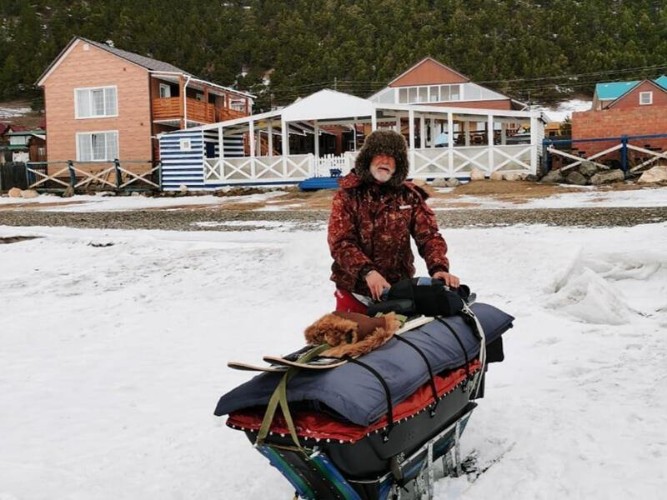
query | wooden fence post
(119,179)
(72,174)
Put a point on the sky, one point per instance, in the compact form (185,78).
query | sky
(115,344)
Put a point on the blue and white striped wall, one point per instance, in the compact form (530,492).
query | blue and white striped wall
(182,155)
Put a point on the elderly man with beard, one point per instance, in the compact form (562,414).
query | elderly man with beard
(374,214)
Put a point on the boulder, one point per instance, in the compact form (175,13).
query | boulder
(554,176)
(655,174)
(609,177)
(496,176)
(588,169)
(513,176)
(576,178)
(439,183)
(476,175)
(14,193)
(29,193)
(69,192)
(453,182)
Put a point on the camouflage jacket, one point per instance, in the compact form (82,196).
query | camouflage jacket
(370,228)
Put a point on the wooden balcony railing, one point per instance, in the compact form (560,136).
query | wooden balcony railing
(170,108)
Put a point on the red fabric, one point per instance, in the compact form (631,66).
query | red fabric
(310,424)
(370,227)
(346,302)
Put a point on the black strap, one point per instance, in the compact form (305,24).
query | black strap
(387,392)
(434,389)
(458,339)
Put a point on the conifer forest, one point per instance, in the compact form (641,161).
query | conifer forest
(531,50)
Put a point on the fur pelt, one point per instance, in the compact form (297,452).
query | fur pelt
(351,333)
(383,142)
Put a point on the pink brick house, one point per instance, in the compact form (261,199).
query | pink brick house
(635,109)
(104,103)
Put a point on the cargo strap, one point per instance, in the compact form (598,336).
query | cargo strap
(434,389)
(279,397)
(387,393)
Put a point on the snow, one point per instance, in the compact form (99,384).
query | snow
(115,343)
(564,109)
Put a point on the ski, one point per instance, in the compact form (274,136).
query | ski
(248,367)
(325,362)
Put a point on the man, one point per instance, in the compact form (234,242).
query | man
(374,214)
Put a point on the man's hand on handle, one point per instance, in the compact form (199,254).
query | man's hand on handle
(450,280)
(376,284)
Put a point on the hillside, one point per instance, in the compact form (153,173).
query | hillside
(537,51)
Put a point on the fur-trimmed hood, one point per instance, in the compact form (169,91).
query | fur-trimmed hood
(383,142)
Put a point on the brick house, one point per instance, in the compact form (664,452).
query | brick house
(104,103)
(636,109)
(431,82)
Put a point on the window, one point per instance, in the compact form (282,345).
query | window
(165,90)
(96,102)
(645,98)
(97,146)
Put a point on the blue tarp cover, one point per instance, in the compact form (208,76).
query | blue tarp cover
(353,393)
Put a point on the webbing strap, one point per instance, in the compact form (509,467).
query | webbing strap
(434,389)
(458,339)
(279,397)
(387,392)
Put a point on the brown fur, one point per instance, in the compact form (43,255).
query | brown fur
(344,334)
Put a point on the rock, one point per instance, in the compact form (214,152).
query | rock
(609,177)
(588,168)
(14,193)
(655,174)
(439,183)
(531,178)
(476,175)
(554,176)
(69,192)
(576,178)
(29,193)
(419,182)
(496,176)
(453,182)
(183,188)
(513,176)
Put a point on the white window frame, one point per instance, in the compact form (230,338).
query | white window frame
(645,98)
(165,90)
(107,156)
(87,93)
(424,94)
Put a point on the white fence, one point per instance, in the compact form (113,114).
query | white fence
(427,163)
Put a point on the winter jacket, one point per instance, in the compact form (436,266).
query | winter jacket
(370,228)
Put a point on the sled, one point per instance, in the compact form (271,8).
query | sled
(385,426)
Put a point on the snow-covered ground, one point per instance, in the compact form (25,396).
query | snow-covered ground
(114,347)
(587,196)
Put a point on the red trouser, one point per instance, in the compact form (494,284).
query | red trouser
(347,302)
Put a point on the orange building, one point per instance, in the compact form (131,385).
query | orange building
(103,103)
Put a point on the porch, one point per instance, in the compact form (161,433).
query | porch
(442,142)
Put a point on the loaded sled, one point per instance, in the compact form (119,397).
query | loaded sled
(382,426)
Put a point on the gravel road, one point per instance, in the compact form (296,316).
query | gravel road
(217,219)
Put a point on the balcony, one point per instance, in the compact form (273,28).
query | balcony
(171,108)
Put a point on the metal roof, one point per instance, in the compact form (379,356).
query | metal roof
(613,90)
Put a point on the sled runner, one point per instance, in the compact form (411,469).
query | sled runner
(382,426)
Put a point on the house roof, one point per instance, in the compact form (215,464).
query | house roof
(613,90)
(610,91)
(428,60)
(147,63)
(650,83)
(327,105)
